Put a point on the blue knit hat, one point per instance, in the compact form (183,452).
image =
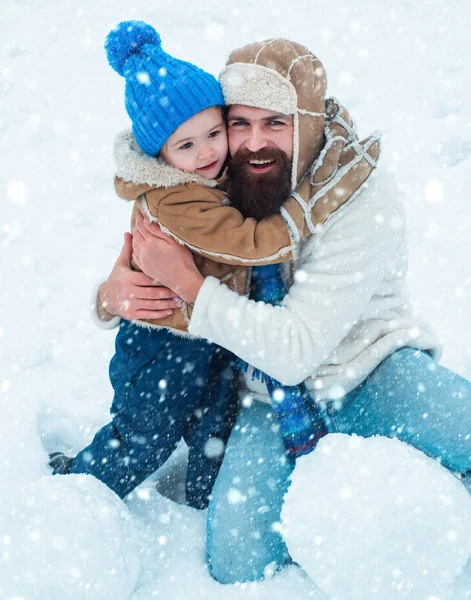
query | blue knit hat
(161,92)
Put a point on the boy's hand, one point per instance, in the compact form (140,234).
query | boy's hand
(165,260)
(133,295)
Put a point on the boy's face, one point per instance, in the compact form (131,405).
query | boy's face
(199,145)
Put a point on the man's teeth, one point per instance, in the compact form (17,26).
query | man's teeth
(260,162)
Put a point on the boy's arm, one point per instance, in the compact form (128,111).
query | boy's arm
(197,217)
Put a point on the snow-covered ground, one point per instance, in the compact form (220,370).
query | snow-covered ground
(398,67)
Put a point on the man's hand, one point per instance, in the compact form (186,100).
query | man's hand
(133,295)
(165,260)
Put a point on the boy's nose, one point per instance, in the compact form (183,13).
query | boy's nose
(205,152)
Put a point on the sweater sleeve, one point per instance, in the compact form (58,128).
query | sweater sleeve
(197,217)
(338,274)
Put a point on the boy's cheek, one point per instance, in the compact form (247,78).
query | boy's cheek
(225,146)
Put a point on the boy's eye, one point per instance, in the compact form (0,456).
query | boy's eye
(214,134)
(186,146)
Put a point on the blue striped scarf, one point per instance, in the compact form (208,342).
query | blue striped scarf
(300,420)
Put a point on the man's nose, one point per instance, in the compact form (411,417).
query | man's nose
(256,141)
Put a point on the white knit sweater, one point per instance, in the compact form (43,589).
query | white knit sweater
(346,311)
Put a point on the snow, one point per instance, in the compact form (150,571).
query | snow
(401,69)
(67,537)
(376,518)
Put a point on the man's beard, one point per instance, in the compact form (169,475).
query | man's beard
(259,195)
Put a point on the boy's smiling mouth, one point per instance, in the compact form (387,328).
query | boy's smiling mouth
(208,167)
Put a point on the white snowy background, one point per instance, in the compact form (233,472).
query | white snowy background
(399,67)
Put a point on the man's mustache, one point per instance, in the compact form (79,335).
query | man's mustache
(270,154)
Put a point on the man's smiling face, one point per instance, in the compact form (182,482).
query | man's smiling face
(261,149)
(256,129)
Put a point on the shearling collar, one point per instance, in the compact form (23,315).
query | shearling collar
(133,166)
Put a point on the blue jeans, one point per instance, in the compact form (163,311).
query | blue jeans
(165,387)
(408,396)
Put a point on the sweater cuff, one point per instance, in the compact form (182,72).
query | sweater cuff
(199,316)
(94,313)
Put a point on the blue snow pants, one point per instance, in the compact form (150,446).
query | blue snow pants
(165,387)
(408,396)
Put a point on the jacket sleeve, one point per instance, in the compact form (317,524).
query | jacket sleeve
(100,317)
(338,275)
(197,217)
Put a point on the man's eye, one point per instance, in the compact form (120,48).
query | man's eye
(238,123)
(277,123)
(186,146)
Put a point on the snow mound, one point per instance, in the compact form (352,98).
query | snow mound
(376,518)
(67,537)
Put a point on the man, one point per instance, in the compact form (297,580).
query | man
(345,328)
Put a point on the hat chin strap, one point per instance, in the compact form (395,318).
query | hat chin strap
(294,162)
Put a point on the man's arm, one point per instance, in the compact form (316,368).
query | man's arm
(337,281)
(130,295)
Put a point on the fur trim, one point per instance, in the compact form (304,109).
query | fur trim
(339,173)
(133,165)
(177,332)
(265,45)
(186,316)
(291,226)
(292,231)
(318,163)
(230,278)
(306,210)
(255,85)
(309,56)
(95,315)
(295,160)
